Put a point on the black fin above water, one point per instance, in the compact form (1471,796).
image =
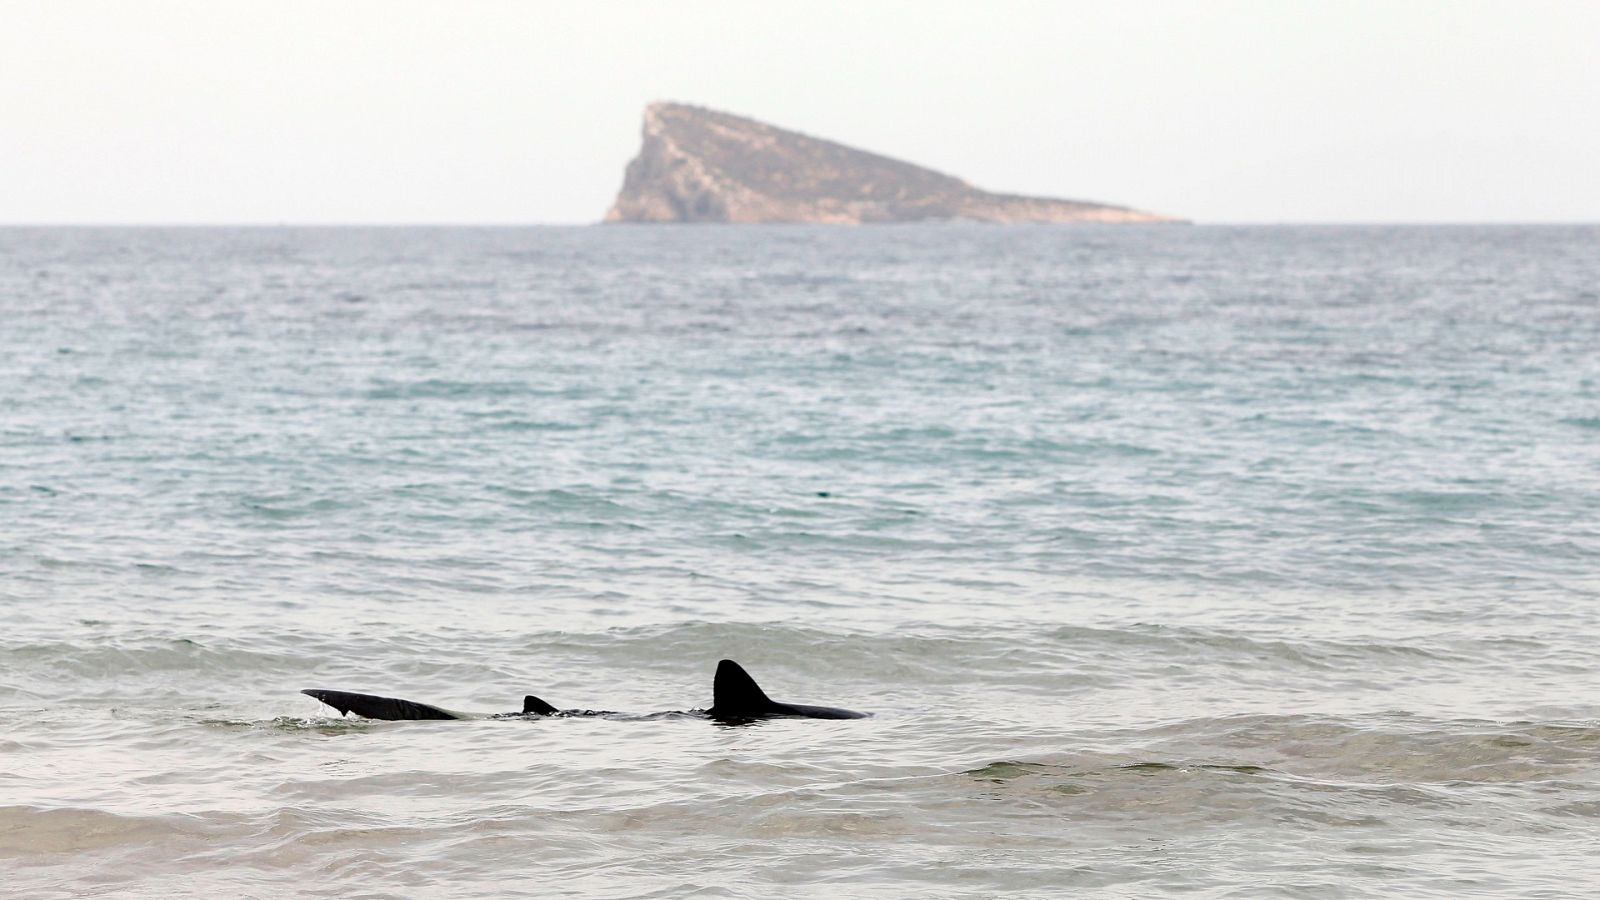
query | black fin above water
(735,697)
(389,709)
(734,691)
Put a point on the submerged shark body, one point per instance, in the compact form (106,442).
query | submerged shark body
(736,698)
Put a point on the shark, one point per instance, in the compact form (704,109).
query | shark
(736,699)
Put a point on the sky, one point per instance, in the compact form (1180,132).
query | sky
(490,111)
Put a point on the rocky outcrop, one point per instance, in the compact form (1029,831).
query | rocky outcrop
(699,165)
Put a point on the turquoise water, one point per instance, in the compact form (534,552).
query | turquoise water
(1214,561)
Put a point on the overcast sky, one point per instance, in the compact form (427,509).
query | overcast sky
(524,112)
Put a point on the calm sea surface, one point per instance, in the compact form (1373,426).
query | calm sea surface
(1204,561)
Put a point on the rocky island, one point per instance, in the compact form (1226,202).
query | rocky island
(700,165)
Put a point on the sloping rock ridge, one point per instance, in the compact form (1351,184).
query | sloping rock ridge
(700,165)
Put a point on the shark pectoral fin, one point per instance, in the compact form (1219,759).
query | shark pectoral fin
(389,709)
(533,706)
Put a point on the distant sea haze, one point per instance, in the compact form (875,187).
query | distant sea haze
(1171,561)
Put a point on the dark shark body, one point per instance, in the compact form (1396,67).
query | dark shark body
(736,698)
(394,709)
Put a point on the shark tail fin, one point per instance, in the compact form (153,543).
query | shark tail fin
(733,690)
(533,706)
(390,709)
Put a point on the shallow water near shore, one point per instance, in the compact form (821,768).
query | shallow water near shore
(1204,561)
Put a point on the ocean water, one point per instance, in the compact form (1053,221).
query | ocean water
(1199,561)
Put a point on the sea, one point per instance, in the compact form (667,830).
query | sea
(1203,561)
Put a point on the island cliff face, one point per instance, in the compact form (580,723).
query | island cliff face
(699,165)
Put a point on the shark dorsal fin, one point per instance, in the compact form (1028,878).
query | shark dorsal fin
(734,691)
(533,706)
